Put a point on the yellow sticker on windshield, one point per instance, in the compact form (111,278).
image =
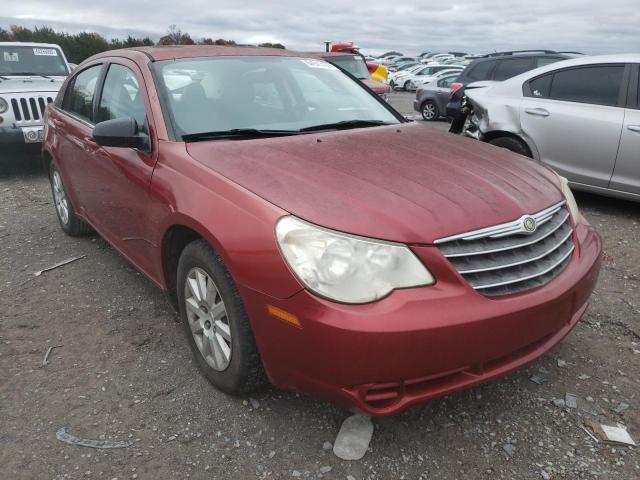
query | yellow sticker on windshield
(11,57)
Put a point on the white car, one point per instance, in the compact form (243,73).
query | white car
(395,78)
(30,76)
(425,73)
(418,81)
(579,116)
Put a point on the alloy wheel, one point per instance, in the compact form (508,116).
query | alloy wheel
(207,317)
(429,111)
(60,198)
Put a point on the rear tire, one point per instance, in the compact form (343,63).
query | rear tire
(513,144)
(70,223)
(233,366)
(429,111)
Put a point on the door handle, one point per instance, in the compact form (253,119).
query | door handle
(634,128)
(537,112)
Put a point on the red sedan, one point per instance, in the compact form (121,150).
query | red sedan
(310,235)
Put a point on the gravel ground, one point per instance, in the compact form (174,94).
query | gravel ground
(121,370)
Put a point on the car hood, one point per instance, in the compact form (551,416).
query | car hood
(30,84)
(405,183)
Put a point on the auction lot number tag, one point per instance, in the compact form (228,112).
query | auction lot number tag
(47,52)
(11,57)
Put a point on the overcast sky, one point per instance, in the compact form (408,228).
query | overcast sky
(412,26)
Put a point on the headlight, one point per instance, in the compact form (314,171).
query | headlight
(4,106)
(571,201)
(346,268)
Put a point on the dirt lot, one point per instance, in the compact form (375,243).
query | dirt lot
(123,371)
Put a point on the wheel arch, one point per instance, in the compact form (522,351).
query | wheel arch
(492,135)
(181,232)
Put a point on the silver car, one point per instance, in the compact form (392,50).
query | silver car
(579,116)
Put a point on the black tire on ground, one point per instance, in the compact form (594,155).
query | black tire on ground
(429,111)
(72,225)
(513,144)
(405,86)
(244,372)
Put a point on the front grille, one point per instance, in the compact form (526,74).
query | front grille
(29,109)
(507,259)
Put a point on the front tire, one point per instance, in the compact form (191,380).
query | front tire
(429,111)
(215,322)
(405,87)
(513,144)
(70,223)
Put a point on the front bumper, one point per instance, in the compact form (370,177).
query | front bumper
(419,343)
(15,136)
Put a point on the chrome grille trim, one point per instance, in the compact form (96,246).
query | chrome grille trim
(507,244)
(504,229)
(494,262)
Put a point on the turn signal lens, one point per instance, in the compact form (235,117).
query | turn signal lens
(290,318)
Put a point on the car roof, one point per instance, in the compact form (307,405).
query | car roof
(514,84)
(174,52)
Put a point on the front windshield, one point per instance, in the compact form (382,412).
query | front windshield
(23,60)
(352,64)
(216,94)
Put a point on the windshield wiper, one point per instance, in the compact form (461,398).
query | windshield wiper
(345,124)
(237,133)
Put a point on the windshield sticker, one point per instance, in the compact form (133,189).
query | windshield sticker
(11,57)
(311,63)
(48,52)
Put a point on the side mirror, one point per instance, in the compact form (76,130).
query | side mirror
(120,132)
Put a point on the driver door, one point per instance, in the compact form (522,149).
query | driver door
(119,204)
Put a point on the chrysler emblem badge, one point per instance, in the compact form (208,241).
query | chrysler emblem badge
(529,224)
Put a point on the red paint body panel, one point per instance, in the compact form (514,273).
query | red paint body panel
(419,333)
(402,183)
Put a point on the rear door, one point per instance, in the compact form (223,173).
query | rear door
(574,118)
(72,123)
(626,175)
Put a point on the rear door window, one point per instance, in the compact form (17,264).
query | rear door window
(512,67)
(79,96)
(480,71)
(598,85)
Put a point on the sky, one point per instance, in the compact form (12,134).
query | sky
(478,26)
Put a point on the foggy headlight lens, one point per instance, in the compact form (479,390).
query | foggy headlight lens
(571,201)
(346,268)
(4,106)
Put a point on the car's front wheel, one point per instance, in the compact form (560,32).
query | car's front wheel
(215,322)
(429,111)
(511,143)
(71,224)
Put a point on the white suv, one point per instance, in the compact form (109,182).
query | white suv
(30,76)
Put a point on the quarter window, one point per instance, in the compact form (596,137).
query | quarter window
(541,86)
(80,94)
(121,96)
(597,85)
